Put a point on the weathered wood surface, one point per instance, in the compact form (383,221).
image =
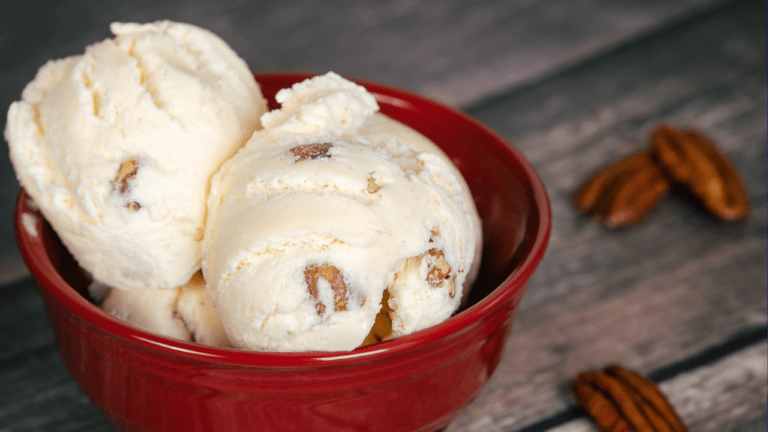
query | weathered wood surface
(663,290)
(573,85)
(726,396)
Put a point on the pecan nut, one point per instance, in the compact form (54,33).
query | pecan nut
(691,159)
(312,275)
(310,151)
(439,273)
(624,192)
(122,181)
(619,399)
(372,187)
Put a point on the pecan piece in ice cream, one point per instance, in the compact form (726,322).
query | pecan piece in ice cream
(121,184)
(125,173)
(312,274)
(311,151)
(439,271)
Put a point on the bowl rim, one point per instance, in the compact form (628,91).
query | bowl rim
(40,266)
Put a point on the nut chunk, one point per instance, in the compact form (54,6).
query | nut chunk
(312,275)
(311,151)
(619,399)
(125,173)
(439,270)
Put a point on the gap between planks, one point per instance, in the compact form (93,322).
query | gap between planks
(689,383)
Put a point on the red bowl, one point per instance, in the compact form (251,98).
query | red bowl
(419,382)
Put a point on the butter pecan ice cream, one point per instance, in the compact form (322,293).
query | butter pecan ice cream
(117,147)
(184,312)
(331,216)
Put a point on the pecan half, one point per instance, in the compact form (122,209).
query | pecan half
(619,399)
(649,393)
(310,151)
(691,159)
(122,181)
(624,192)
(313,273)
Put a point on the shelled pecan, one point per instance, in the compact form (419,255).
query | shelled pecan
(619,399)
(627,191)
(624,192)
(691,159)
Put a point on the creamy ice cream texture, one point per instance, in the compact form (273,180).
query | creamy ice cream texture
(185,312)
(329,211)
(117,147)
(334,226)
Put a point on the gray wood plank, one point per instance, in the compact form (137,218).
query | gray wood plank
(726,396)
(454,51)
(19,303)
(655,293)
(38,392)
(539,30)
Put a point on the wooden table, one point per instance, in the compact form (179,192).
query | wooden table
(573,84)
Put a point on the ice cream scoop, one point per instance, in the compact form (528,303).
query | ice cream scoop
(184,312)
(117,147)
(312,225)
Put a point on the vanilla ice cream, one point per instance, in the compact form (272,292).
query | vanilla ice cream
(117,147)
(185,312)
(325,213)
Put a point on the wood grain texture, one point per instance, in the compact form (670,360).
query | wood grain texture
(723,397)
(39,394)
(660,291)
(455,51)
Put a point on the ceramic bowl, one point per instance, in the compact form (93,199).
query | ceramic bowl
(420,382)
